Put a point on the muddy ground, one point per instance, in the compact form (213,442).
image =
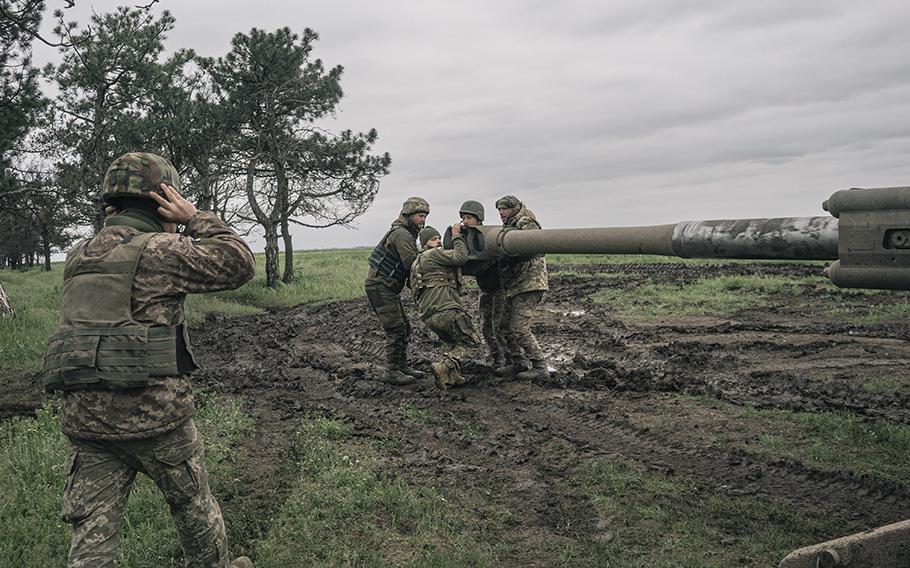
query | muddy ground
(611,373)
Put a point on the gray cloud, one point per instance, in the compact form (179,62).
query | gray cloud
(630,112)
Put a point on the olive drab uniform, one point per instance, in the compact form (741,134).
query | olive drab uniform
(390,266)
(436,285)
(492,303)
(525,282)
(121,356)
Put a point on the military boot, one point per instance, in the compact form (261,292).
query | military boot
(241,562)
(394,376)
(510,370)
(538,371)
(410,371)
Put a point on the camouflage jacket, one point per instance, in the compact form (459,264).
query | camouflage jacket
(436,278)
(209,256)
(401,242)
(522,274)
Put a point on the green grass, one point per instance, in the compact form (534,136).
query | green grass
(344,511)
(33,455)
(653,520)
(886,384)
(836,441)
(723,295)
(35,296)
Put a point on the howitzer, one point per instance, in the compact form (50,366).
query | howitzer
(867,237)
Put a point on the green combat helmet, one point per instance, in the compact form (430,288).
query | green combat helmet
(137,174)
(427,234)
(415,205)
(508,202)
(472,207)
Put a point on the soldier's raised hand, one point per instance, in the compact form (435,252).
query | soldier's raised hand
(173,207)
(456,229)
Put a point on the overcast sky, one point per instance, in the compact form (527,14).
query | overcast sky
(627,112)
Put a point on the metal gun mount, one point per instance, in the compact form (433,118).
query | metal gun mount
(868,237)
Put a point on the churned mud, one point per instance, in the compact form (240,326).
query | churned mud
(615,392)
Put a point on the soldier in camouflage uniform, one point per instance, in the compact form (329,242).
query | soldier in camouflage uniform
(492,296)
(525,282)
(121,356)
(436,285)
(390,265)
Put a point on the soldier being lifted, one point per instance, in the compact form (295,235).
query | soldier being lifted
(524,279)
(121,356)
(436,284)
(492,296)
(390,265)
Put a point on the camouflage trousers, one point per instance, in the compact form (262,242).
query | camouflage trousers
(388,307)
(101,475)
(491,306)
(518,315)
(456,330)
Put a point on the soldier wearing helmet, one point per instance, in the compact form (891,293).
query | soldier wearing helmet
(525,281)
(121,356)
(492,296)
(436,285)
(390,265)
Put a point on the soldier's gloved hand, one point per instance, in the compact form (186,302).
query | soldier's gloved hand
(173,207)
(456,229)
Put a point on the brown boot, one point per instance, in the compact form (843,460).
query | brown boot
(538,371)
(241,562)
(447,376)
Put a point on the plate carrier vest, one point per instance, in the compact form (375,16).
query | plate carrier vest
(97,343)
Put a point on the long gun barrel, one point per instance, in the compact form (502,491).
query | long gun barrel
(808,238)
(868,237)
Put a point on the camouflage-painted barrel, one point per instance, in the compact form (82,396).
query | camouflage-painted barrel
(868,237)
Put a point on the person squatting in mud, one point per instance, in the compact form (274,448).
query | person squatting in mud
(390,265)
(492,296)
(524,279)
(121,356)
(436,286)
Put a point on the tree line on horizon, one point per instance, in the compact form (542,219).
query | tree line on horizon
(245,130)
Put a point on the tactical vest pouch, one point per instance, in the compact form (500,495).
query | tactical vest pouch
(438,278)
(387,263)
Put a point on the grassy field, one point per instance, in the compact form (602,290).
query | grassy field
(35,295)
(344,509)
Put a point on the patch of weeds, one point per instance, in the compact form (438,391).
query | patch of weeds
(416,414)
(886,384)
(709,296)
(837,441)
(33,456)
(896,310)
(652,520)
(344,511)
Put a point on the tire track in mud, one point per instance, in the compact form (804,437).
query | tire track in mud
(734,471)
(528,440)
